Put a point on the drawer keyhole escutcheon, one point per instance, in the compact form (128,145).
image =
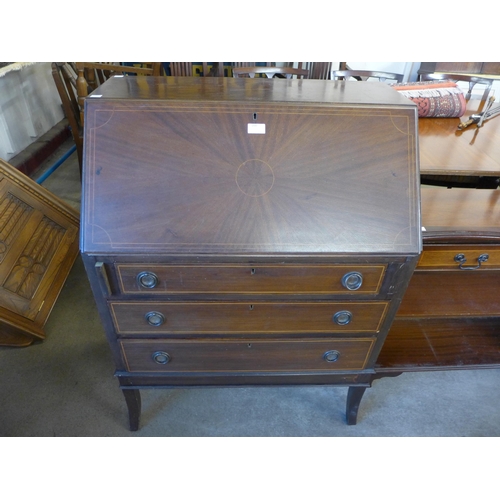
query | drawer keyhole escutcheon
(352,280)
(342,318)
(147,279)
(155,318)
(161,357)
(461,259)
(331,356)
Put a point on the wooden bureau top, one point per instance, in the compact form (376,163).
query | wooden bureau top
(249,167)
(269,90)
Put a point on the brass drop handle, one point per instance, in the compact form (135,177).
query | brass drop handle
(147,279)
(161,357)
(342,318)
(461,259)
(155,318)
(331,356)
(352,280)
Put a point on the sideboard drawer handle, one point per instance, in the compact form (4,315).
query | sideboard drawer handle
(147,279)
(331,356)
(352,281)
(155,318)
(461,259)
(161,357)
(342,317)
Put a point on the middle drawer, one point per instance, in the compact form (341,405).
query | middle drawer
(245,317)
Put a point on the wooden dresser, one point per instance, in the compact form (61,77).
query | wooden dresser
(38,246)
(450,315)
(248,231)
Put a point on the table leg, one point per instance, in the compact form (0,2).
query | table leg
(133,400)
(354,396)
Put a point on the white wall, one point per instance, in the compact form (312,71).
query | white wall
(29,106)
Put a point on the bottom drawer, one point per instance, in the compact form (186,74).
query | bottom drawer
(237,356)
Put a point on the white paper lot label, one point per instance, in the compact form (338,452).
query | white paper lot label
(256,128)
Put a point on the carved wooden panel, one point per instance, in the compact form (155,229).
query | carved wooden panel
(13,216)
(38,245)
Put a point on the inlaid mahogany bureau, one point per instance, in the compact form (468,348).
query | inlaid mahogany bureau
(248,231)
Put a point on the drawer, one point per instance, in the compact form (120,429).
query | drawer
(249,279)
(236,356)
(446,257)
(243,317)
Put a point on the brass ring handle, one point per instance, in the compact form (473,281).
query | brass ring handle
(155,318)
(461,259)
(161,357)
(147,279)
(352,280)
(331,356)
(342,318)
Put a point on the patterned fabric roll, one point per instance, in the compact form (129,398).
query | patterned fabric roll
(434,99)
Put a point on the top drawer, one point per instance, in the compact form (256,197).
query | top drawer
(460,257)
(249,279)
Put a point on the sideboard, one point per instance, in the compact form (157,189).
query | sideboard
(449,318)
(248,231)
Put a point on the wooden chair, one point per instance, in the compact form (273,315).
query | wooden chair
(247,64)
(181,69)
(238,65)
(74,82)
(269,71)
(320,70)
(96,73)
(65,80)
(317,70)
(457,77)
(363,75)
(93,74)
(187,69)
